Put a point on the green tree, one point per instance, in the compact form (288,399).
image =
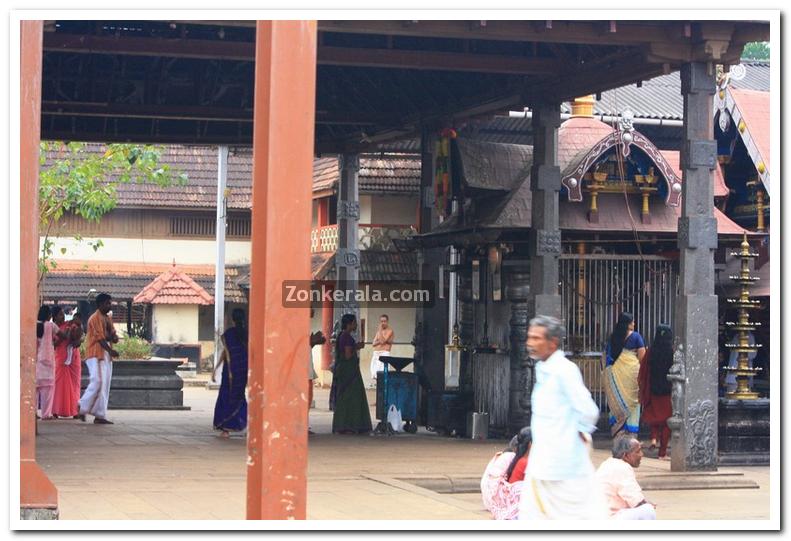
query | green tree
(76,179)
(756,50)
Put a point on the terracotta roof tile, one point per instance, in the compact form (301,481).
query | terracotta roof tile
(72,280)
(755,109)
(613,216)
(173,287)
(673,158)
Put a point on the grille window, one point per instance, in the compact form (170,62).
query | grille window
(204,226)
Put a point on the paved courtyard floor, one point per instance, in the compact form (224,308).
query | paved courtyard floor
(171,465)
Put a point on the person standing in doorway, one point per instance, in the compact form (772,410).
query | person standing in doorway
(99,354)
(655,388)
(560,479)
(382,344)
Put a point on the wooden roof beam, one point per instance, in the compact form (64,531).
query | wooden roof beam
(178,48)
(587,32)
(214,114)
(434,60)
(334,56)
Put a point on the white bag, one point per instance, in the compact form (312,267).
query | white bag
(394,418)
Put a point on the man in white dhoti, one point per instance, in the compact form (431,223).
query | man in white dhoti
(560,481)
(99,355)
(616,476)
(382,344)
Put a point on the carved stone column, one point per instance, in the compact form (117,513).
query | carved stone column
(545,231)
(695,447)
(347,256)
(521,384)
(430,321)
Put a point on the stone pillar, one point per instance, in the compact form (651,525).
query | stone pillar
(347,256)
(521,384)
(545,231)
(695,445)
(430,322)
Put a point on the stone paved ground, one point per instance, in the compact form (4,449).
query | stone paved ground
(171,465)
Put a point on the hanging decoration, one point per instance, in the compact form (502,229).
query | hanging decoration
(442,173)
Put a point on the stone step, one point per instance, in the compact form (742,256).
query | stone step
(648,482)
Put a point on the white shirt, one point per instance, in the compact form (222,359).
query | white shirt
(562,407)
(619,484)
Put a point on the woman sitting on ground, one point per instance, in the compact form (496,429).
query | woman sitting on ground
(501,484)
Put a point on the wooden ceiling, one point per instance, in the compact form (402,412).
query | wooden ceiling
(377,81)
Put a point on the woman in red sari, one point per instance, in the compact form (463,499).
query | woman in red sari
(68,369)
(655,388)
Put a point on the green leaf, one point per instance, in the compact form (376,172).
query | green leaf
(63,251)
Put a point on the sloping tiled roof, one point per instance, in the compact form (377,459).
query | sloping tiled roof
(613,216)
(658,98)
(376,267)
(492,166)
(661,97)
(673,157)
(199,163)
(173,287)
(325,173)
(576,136)
(73,279)
(755,110)
(393,173)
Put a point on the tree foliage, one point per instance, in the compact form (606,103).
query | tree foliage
(756,50)
(77,179)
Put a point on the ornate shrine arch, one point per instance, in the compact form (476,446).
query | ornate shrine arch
(572,179)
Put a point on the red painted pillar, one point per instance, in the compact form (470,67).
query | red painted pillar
(36,490)
(285,95)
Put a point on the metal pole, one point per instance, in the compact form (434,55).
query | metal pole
(452,296)
(219,270)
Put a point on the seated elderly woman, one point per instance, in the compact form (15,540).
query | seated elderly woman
(501,484)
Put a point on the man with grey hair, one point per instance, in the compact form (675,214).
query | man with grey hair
(560,481)
(616,476)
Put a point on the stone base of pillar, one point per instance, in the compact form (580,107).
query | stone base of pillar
(28,513)
(743,432)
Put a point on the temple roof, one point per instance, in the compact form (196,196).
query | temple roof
(173,286)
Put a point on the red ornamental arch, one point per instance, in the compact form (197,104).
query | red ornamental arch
(573,179)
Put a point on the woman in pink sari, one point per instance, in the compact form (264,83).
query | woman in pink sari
(501,497)
(68,367)
(46,332)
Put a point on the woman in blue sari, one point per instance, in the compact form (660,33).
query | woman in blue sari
(623,355)
(230,411)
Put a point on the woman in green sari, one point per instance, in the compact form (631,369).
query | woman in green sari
(351,413)
(623,355)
